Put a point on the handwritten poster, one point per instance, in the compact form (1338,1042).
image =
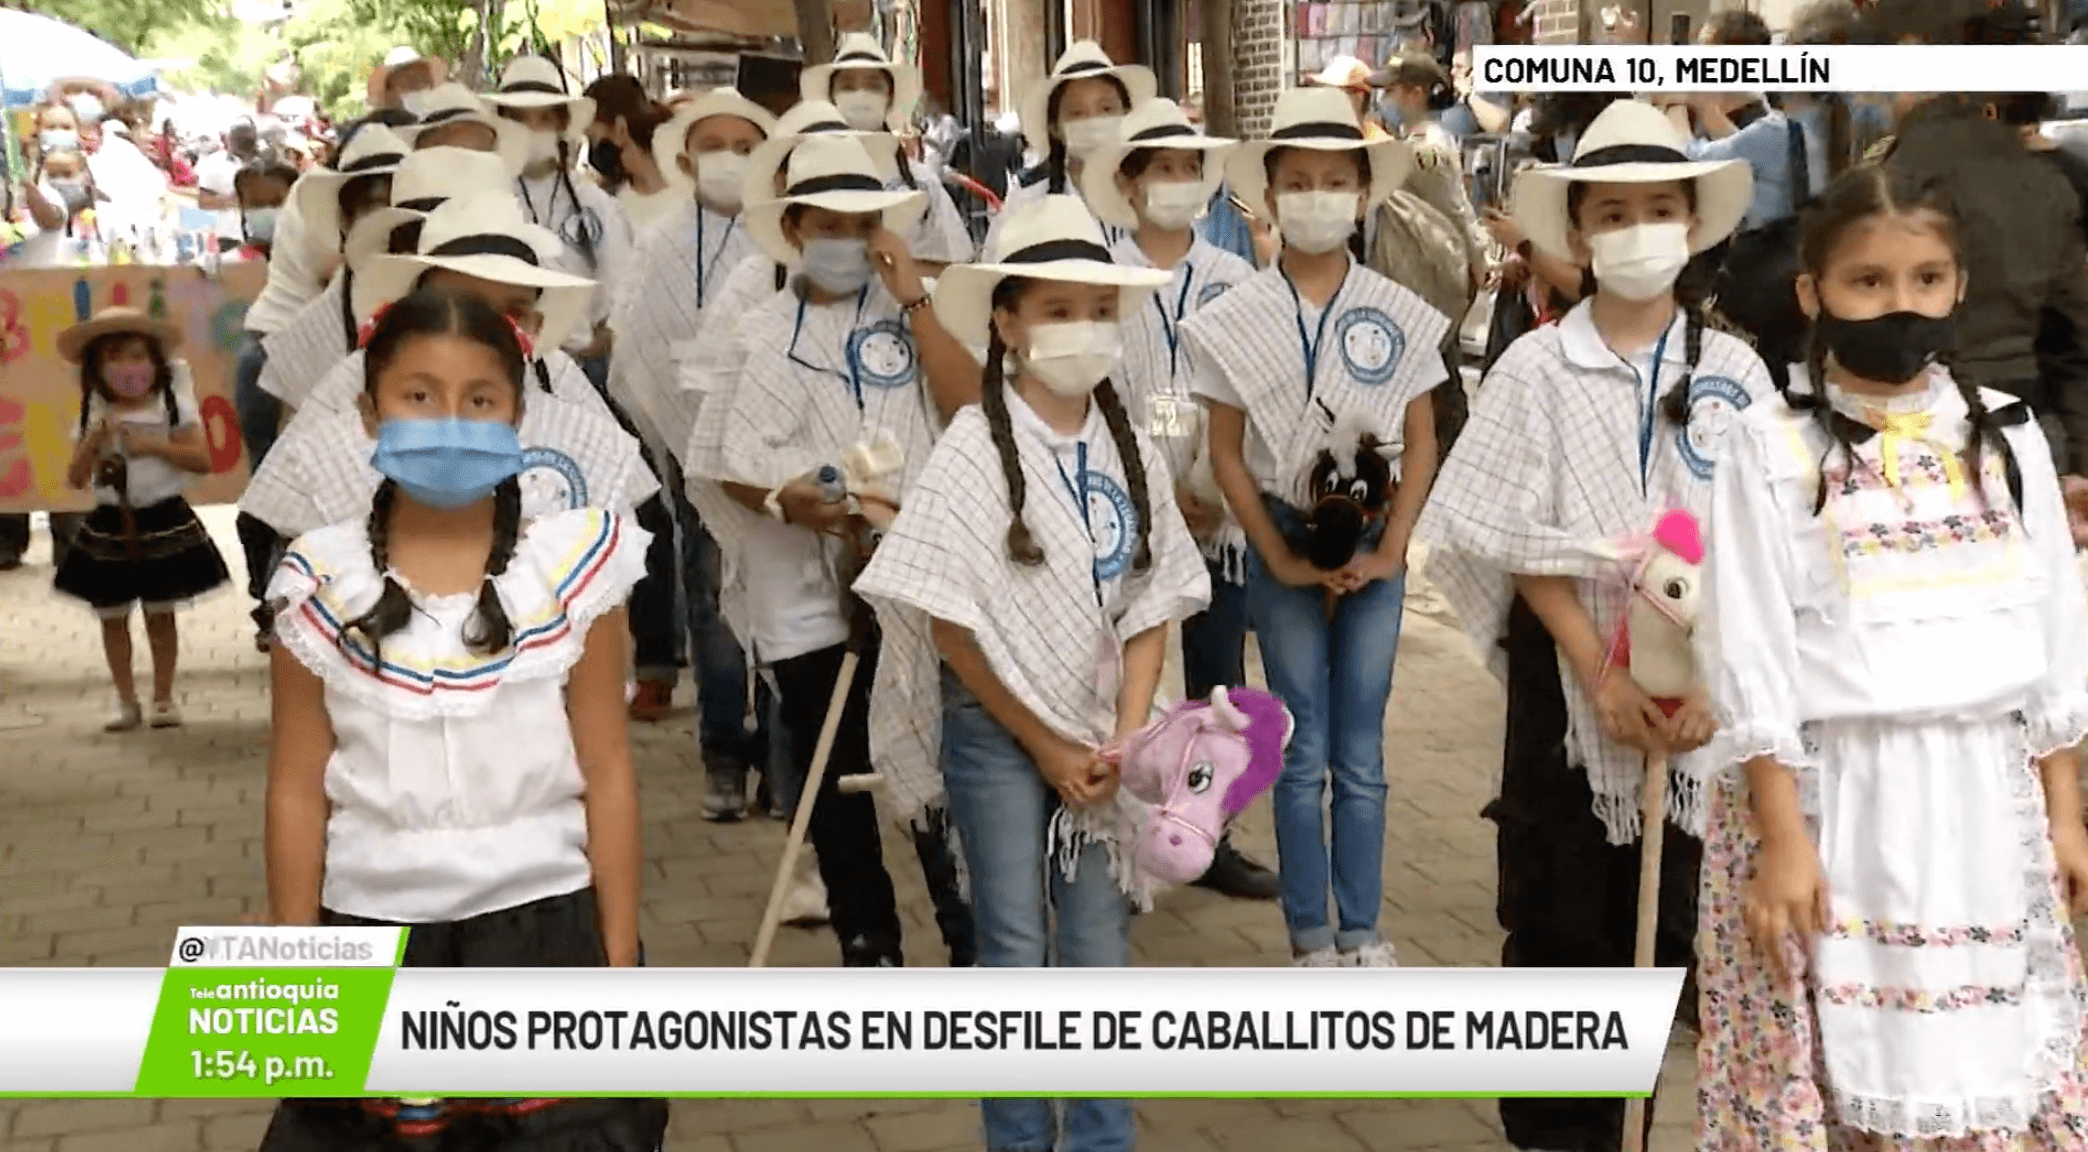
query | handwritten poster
(40,391)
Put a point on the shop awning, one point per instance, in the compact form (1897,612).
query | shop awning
(756,19)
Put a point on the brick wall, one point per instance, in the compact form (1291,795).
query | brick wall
(1558,21)
(1261,61)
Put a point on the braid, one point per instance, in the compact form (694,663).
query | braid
(1022,547)
(1982,423)
(1134,470)
(167,398)
(1055,167)
(1831,422)
(348,325)
(494,632)
(393,609)
(782,277)
(1675,405)
(87,388)
(906,172)
(543,374)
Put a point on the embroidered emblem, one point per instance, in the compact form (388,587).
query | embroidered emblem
(551,482)
(1211,292)
(882,355)
(583,229)
(1114,522)
(1715,402)
(1371,345)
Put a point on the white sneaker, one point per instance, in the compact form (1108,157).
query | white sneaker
(165,714)
(805,904)
(1376,954)
(126,717)
(1318,958)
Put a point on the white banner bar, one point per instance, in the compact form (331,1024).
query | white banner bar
(286,948)
(1845,68)
(72,1030)
(1087,1031)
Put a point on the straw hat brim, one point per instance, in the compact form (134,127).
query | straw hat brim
(72,343)
(1098,177)
(1725,188)
(1137,79)
(318,196)
(1391,162)
(766,160)
(964,292)
(371,236)
(565,297)
(671,139)
(815,84)
(510,142)
(581,109)
(764,218)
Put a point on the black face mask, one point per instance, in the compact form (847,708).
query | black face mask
(606,158)
(1890,349)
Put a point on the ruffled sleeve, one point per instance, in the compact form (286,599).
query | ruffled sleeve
(1748,642)
(569,569)
(2057,712)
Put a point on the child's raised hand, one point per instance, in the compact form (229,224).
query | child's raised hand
(1786,898)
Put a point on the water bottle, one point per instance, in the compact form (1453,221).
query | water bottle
(833,487)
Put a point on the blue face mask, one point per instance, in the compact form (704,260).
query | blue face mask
(260,224)
(447,463)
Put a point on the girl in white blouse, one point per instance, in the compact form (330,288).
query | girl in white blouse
(1898,648)
(449,749)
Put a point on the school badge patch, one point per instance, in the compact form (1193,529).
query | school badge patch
(551,482)
(882,355)
(1371,345)
(1715,402)
(1113,521)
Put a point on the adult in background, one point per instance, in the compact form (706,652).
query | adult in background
(404,73)
(215,173)
(620,150)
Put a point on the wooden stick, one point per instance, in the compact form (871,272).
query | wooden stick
(802,820)
(1652,830)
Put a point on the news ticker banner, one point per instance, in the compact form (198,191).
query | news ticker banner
(273,1012)
(1649,69)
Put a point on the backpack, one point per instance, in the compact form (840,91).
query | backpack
(1423,251)
(1196,769)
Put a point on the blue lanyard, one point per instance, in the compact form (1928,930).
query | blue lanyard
(1170,325)
(852,376)
(705,267)
(1649,410)
(1311,344)
(1080,506)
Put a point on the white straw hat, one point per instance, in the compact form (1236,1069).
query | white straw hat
(1319,120)
(1050,238)
(402,57)
(671,139)
(1157,123)
(1632,142)
(487,235)
(861,51)
(375,150)
(805,119)
(835,172)
(1083,60)
(536,82)
(454,103)
(424,180)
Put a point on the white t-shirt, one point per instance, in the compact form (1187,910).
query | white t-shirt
(150,479)
(218,174)
(298,267)
(41,248)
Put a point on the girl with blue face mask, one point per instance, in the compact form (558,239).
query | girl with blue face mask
(492,807)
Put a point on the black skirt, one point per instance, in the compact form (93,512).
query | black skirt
(162,557)
(557,932)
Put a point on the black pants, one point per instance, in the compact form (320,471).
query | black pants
(1568,898)
(860,901)
(263,548)
(14,535)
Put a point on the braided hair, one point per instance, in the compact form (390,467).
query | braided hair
(1055,156)
(993,401)
(93,384)
(1864,192)
(440,312)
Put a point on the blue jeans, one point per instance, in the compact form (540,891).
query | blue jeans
(1002,808)
(1335,678)
(723,727)
(1214,641)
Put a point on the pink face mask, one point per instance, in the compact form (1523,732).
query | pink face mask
(130,381)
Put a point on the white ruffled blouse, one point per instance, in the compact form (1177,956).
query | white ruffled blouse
(454,785)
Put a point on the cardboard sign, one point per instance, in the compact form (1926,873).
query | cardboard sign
(40,391)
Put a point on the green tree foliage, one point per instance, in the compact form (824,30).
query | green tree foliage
(130,24)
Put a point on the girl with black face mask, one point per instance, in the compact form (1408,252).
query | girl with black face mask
(1898,646)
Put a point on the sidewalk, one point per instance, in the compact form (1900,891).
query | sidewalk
(110,842)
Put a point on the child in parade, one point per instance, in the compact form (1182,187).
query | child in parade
(1153,185)
(453,116)
(1893,854)
(1585,432)
(1043,541)
(140,442)
(493,808)
(1313,344)
(1072,114)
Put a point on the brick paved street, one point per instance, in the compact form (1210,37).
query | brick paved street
(110,842)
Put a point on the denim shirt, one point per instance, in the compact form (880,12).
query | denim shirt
(1765,144)
(1224,227)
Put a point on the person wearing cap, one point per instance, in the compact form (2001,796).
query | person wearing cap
(1153,185)
(1585,431)
(1416,87)
(831,364)
(1315,344)
(873,94)
(403,75)
(1042,540)
(595,233)
(1074,112)
(1352,78)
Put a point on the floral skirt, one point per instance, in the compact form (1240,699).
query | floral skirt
(1913,1022)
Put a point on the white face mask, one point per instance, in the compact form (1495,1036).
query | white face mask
(1174,205)
(1086,137)
(1072,358)
(862,111)
(1317,222)
(1642,261)
(837,266)
(719,178)
(543,149)
(417,102)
